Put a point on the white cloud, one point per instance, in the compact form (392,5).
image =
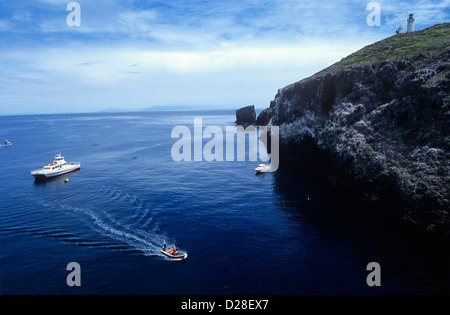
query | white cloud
(427,13)
(95,77)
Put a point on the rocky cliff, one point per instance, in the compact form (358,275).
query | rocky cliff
(385,128)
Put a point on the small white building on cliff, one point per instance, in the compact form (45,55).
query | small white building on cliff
(410,23)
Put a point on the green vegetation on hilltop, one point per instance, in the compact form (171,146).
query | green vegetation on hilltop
(432,39)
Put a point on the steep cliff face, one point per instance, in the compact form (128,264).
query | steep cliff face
(385,126)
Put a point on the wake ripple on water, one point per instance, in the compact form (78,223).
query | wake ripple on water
(136,232)
(140,213)
(138,240)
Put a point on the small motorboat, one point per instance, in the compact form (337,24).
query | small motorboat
(174,254)
(7,143)
(262,168)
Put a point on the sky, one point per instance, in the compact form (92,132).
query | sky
(220,54)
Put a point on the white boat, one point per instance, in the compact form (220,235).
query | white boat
(7,143)
(57,168)
(262,168)
(173,253)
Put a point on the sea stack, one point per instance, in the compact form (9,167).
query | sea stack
(246,116)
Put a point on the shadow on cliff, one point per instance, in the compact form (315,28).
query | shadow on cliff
(333,198)
(339,216)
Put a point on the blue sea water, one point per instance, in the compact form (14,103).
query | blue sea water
(283,233)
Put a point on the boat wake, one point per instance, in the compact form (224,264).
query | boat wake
(134,231)
(136,240)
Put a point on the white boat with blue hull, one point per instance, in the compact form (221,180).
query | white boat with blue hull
(57,168)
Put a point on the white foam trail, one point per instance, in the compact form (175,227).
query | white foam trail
(147,242)
(119,233)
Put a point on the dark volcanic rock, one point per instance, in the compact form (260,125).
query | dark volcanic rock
(385,126)
(264,117)
(246,115)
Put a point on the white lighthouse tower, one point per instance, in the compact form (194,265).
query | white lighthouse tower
(411,23)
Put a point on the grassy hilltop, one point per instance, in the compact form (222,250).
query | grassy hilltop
(432,39)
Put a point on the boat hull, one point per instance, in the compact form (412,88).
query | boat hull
(39,175)
(262,170)
(168,253)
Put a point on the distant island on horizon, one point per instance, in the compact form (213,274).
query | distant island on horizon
(160,108)
(165,108)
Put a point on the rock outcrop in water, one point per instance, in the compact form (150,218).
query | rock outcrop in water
(246,116)
(385,129)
